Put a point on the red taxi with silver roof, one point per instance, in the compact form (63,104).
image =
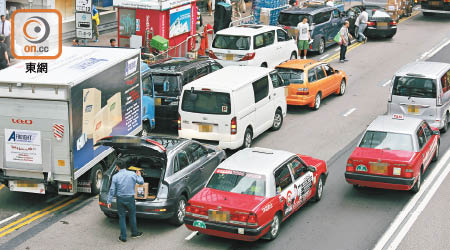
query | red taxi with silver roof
(393,153)
(253,191)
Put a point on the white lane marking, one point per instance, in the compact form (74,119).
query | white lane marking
(9,218)
(407,210)
(349,112)
(337,49)
(438,48)
(386,83)
(190,236)
(323,57)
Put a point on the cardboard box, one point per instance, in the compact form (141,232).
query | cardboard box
(265,16)
(115,110)
(141,191)
(92,103)
(101,125)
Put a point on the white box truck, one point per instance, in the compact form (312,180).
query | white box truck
(49,122)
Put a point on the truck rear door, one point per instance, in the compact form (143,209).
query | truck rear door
(34,140)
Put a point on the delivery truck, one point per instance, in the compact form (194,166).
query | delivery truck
(431,7)
(51,118)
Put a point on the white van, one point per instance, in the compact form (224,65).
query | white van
(232,106)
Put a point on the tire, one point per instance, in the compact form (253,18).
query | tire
(418,183)
(321,46)
(96,178)
(180,212)
(342,87)
(264,65)
(293,55)
(274,230)
(248,138)
(147,127)
(319,189)
(436,154)
(317,101)
(277,120)
(445,128)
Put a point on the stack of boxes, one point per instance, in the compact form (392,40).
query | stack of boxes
(267,11)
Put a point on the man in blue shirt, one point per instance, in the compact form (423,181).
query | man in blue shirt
(122,187)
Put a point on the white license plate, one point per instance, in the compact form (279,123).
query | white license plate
(27,186)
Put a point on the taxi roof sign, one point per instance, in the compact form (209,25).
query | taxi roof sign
(398,116)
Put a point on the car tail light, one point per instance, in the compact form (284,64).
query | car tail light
(239,218)
(393,23)
(212,55)
(252,220)
(233,126)
(248,56)
(102,204)
(179,122)
(369,24)
(350,167)
(196,211)
(303,91)
(286,27)
(310,46)
(408,173)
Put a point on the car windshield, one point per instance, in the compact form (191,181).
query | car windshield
(170,81)
(206,102)
(414,87)
(386,141)
(238,182)
(289,19)
(291,75)
(231,42)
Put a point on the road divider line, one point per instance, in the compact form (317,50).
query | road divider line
(31,215)
(412,15)
(349,112)
(386,83)
(9,218)
(39,216)
(407,211)
(433,52)
(323,57)
(190,236)
(336,55)
(2,186)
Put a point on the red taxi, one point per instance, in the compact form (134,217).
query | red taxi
(253,191)
(394,153)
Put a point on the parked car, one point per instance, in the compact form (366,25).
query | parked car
(175,169)
(168,79)
(379,24)
(253,45)
(232,106)
(325,22)
(394,153)
(253,191)
(310,81)
(421,89)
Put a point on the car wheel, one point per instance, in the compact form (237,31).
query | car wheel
(264,65)
(248,138)
(356,186)
(274,230)
(416,186)
(294,55)
(147,127)
(96,178)
(436,154)
(180,212)
(321,46)
(445,128)
(319,189)
(342,87)
(277,120)
(317,101)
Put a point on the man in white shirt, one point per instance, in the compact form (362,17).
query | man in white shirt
(303,37)
(363,19)
(5,30)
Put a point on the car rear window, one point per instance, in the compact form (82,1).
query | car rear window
(171,82)
(231,42)
(291,75)
(414,87)
(238,182)
(387,141)
(206,102)
(290,19)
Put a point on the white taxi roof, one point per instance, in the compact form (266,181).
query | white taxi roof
(261,161)
(386,123)
(229,79)
(246,30)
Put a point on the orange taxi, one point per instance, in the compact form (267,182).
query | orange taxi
(310,81)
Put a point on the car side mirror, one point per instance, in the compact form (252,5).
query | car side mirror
(311,169)
(436,132)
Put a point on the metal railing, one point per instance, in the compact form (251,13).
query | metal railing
(245,20)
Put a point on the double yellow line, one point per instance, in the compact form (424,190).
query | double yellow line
(36,215)
(351,47)
(2,186)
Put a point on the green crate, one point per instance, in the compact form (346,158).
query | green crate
(159,43)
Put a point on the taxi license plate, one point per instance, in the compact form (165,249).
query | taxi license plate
(413,109)
(204,128)
(378,169)
(218,216)
(229,57)
(382,24)
(157,101)
(435,3)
